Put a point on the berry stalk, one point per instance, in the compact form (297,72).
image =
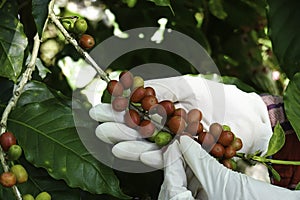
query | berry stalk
(265,160)
(72,41)
(26,76)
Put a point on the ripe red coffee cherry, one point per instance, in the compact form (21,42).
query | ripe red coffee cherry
(194,115)
(226,138)
(132,118)
(146,128)
(166,107)
(8,179)
(194,128)
(207,140)
(148,102)
(176,124)
(126,79)
(180,112)
(150,91)
(229,163)
(115,88)
(217,151)
(7,139)
(229,152)
(237,144)
(215,129)
(138,94)
(86,41)
(120,103)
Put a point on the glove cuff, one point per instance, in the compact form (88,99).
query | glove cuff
(276,112)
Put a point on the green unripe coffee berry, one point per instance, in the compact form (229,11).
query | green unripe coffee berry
(20,172)
(138,81)
(80,26)
(152,138)
(68,24)
(226,128)
(163,138)
(27,197)
(14,152)
(43,196)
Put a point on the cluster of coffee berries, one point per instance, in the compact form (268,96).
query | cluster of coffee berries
(140,103)
(142,109)
(13,151)
(78,27)
(221,143)
(17,174)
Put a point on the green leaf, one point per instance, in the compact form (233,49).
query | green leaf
(297,186)
(275,174)
(277,140)
(49,138)
(292,103)
(6,91)
(284,31)
(106,97)
(13,42)
(34,92)
(43,71)
(40,14)
(216,8)
(163,3)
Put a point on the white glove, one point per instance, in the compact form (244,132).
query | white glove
(216,181)
(245,113)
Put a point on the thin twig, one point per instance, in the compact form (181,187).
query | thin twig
(72,41)
(26,76)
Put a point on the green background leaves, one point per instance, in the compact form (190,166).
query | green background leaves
(40,13)
(292,103)
(284,32)
(45,129)
(13,42)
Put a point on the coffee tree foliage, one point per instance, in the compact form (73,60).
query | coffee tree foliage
(250,42)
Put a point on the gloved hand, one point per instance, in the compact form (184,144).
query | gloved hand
(245,113)
(214,180)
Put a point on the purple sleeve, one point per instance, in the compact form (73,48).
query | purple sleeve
(276,112)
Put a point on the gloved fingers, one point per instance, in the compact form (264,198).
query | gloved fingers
(204,166)
(194,185)
(220,182)
(113,132)
(181,88)
(131,150)
(104,113)
(175,182)
(153,159)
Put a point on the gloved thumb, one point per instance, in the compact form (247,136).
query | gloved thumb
(220,182)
